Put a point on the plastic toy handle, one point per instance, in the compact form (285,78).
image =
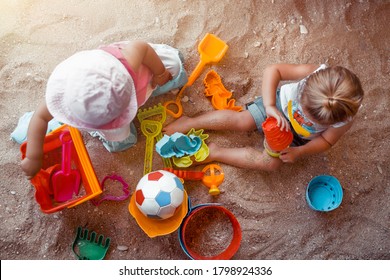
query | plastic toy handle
(297,127)
(66,150)
(176,103)
(186,174)
(196,73)
(150,129)
(214,190)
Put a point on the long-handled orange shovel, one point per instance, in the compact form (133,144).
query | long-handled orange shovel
(211,50)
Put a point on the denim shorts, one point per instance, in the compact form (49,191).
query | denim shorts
(257,110)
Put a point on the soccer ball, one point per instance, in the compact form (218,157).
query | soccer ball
(158,194)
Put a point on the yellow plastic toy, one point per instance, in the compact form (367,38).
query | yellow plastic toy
(297,127)
(211,50)
(151,120)
(150,129)
(199,156)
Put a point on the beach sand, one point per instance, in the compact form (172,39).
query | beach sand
(276,221)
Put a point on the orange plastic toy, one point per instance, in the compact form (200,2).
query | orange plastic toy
(219,94)
(52,150)
(275,139)
(214,179)
(211,50)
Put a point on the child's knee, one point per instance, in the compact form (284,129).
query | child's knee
(245,121)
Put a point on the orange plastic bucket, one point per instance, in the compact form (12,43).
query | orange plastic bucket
(52,156)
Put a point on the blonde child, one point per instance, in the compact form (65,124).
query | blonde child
(100,90)
(324,103)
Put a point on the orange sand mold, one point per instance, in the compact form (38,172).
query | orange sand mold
(218,93)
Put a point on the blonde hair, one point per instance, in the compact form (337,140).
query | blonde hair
(332,95)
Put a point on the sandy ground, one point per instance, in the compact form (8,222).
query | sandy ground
(275,219)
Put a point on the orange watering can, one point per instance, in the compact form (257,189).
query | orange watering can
(213,177)
(211,50)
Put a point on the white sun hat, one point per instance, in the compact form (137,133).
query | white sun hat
(93,90)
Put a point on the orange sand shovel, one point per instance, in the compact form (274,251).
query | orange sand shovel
(211,50)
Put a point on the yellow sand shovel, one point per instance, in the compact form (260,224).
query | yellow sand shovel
(211,50)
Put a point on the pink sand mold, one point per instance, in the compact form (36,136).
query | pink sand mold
(125,189)
(178,145)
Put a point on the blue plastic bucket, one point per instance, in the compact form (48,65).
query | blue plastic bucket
(324,193)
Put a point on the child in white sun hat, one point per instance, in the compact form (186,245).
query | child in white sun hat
(100,91)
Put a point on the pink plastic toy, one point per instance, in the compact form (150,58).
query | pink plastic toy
(125,189)
(67,180)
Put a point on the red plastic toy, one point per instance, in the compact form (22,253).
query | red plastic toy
(52,157)
(186,174)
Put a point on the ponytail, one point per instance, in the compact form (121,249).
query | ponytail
(332,95)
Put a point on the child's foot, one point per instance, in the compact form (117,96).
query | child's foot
(213,150)
(180,125)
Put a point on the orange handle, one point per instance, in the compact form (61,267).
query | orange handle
(177,103)
(196,73)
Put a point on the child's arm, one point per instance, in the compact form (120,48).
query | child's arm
(272,76)
(317,145)
(37,128)
(139,52)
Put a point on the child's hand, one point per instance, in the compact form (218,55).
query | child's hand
(282,122)
(31,167)
(161,79)
(290,155)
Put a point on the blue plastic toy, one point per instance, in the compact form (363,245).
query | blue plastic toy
(178,145)
(324,193)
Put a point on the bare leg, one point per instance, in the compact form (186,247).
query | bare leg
(248,157)
(214,120)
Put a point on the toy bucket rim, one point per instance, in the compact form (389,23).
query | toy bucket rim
(337,189)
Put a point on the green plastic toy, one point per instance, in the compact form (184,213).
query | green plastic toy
(88,247)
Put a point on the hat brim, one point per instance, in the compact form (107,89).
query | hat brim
(57,87)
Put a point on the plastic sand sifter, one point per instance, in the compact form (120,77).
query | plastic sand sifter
(324,193)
